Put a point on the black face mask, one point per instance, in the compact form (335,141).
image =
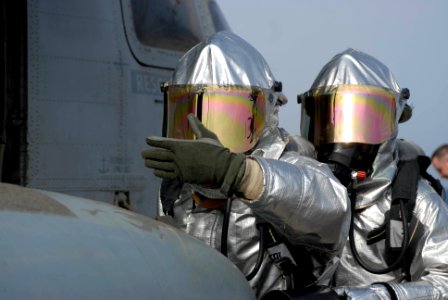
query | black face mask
(355,156)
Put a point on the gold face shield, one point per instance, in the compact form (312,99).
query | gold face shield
(235,114)
(348,114)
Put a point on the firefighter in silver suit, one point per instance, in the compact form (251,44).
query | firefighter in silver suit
(398,240)
(235,180)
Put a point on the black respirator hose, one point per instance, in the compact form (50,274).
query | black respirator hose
(225,227)
(224,234)
(405,243)
(260,254)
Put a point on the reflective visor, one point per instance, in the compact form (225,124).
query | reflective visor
(348,114)
(235,114)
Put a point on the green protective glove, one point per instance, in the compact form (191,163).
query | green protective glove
(203,161)
(199,129)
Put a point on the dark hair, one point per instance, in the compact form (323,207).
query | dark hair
(440,152)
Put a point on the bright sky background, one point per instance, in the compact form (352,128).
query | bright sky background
(298,37)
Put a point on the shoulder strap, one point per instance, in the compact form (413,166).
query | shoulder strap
(399,219)
(412,166)
(404,189)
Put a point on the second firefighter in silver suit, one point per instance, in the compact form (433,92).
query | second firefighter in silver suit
(351,114)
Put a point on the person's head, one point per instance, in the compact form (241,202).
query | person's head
(439,160)
(228,85)
(353,106)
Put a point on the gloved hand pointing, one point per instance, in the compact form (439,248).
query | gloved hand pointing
(203,161)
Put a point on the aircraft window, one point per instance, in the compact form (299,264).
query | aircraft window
(160,31)
(165,24)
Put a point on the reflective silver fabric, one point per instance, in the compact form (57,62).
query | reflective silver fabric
(429,266)
(353,67)
(227,61)
(429,244)
(301,199)
(224,59)
(356,68)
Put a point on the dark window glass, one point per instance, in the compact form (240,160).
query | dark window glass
(160,31)
(173,24)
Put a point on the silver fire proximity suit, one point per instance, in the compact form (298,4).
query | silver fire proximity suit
(300,198)
(428,246)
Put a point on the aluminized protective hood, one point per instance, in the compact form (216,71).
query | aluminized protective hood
(222,63)
(356,68)
(223,59)
(353,67)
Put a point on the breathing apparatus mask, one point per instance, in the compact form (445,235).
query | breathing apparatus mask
(348,123)
(352,108)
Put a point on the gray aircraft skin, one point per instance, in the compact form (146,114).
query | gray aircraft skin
(57,246)
(82,91)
